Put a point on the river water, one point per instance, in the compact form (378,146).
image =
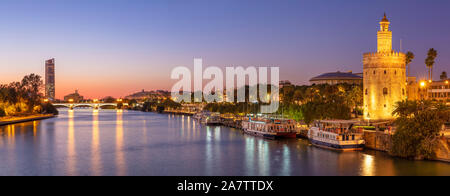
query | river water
(110,142)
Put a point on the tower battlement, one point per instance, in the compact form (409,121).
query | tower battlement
(387,54)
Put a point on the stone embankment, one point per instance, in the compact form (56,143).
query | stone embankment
(377,140)
(15,120)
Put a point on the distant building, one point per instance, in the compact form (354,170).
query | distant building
(384,77)
(337,78)
(74,97)
(438,90)
(50,79)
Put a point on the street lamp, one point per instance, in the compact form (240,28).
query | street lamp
(423,84)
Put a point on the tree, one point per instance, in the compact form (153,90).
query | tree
(415,137)
(355,98)
(409,58)
(32,85)
(405,108)
(418,128)
(109,99)
(429,61)
(443,75)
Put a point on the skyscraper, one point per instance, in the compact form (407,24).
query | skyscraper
(50,79)
(384,77)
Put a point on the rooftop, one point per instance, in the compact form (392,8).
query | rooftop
(337,76)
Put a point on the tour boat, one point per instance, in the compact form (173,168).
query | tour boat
(337,135)
(211,119)
(270,128)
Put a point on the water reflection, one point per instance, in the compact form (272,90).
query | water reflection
(286,161)
(368,167)
(95,151)
(71,152)
(250,155)
(109,142)
(35,129)
(120,157)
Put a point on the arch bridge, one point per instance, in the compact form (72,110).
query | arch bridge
(92,105)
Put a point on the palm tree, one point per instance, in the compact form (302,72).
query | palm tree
(409,58)
(429,61)
(443,75)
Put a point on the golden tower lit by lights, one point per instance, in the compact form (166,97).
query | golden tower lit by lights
(384,77)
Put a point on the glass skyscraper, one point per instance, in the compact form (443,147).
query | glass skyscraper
(50,79)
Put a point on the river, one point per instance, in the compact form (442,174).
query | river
(110,142)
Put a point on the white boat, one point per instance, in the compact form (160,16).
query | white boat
(209,118)
(337,135)
(270,128)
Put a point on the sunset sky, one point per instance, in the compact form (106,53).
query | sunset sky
(117,47)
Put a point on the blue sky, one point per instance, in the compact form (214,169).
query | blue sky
(116,47)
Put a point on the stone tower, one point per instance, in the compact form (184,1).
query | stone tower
(384,77)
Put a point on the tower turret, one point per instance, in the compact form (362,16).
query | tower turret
(384,36)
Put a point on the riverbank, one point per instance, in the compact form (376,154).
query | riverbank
(22,119)
(375,140)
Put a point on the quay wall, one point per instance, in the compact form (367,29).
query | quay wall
(443,149)
(377,140)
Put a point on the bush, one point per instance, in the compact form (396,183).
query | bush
(49,108)
(2,112)
(415,137)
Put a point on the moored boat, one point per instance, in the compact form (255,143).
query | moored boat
(211,119)
(337,135)
(270,128)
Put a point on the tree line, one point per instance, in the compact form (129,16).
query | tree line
(24,97)
(306,103)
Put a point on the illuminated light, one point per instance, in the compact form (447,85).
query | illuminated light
(429,81)
(46,100)
(95,100)
(423,84)
(119,100)
(70,100)
(446,82)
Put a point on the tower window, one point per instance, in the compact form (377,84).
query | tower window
(385,91)
(395,72)
(374,72)
(385,72)
(403,91)
(367,92)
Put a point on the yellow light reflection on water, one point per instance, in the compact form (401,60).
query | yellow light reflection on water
(120,157)
(95,148)
(71,153)
(34,129)
(368,168)
(11,132)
